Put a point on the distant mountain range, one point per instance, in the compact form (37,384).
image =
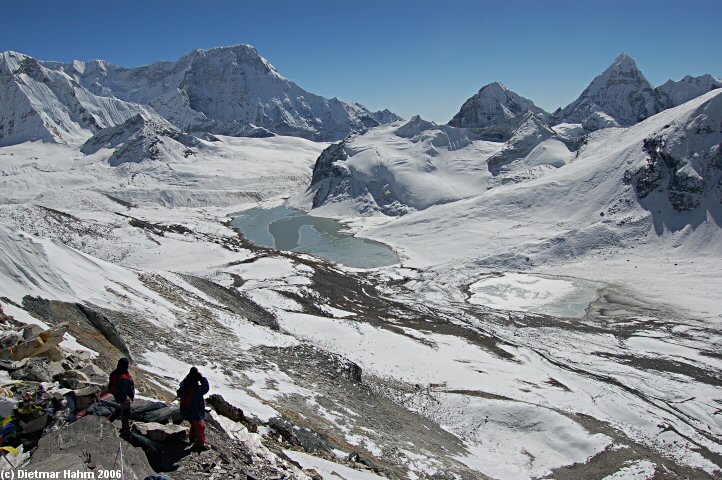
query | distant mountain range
(620,96)
(234,91)
(225,90)
(499,137)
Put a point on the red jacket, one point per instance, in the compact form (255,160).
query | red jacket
(121,385)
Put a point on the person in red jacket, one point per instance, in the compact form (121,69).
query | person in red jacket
(193,406)
(122,387)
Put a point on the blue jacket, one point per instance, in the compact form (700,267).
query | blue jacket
(192,404)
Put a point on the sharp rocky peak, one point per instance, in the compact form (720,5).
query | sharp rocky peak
(621,92)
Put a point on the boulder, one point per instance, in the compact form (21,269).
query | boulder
(31,425)
(161,415)
(362,460)
(7,405)
(309,440)
(74,379)
(91,443)
(27,344)
(161,433)
(84,397)
(94,373)
(222,407)
(37,370)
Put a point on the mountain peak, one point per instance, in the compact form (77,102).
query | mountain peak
(10,61)
(239,49)
(492,106)
(621,92)
(623,64)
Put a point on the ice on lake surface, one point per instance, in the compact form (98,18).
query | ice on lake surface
(558,296)
(287,229)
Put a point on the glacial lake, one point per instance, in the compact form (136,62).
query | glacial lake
(292,230)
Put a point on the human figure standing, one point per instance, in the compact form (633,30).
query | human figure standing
(193,406)
(122,387)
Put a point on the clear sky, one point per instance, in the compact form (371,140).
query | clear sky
(420,56)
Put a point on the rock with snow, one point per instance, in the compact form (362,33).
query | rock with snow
(598,120)
(226,90)
(688,88)
(385,116)
(161,433)
(493,109)
(620,92)
(142,137)
(531,132)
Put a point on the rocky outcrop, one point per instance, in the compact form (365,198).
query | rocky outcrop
(89,445)
(684,163)
(530,133)
(327,172)
(142,137)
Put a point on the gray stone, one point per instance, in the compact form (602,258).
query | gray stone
(91,443)
(161,433)
(222,407)
(38,370)
(309,440)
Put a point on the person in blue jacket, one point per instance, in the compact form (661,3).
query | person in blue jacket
(193,406)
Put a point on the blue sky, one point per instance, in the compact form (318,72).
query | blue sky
(421,56)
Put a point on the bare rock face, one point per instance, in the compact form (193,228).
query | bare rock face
(89,444)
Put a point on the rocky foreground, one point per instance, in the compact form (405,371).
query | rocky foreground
(53,420)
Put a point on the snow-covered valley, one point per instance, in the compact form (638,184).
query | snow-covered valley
(555,312)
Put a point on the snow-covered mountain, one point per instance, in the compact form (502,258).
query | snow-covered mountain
(660,175)
(225,90)
(403,168)
(494,110)
(620,92)
(39,103)
(688,88)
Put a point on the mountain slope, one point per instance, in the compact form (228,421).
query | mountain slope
(224,90)
(396,169)
(38,103)
(620,188)
(621,92)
